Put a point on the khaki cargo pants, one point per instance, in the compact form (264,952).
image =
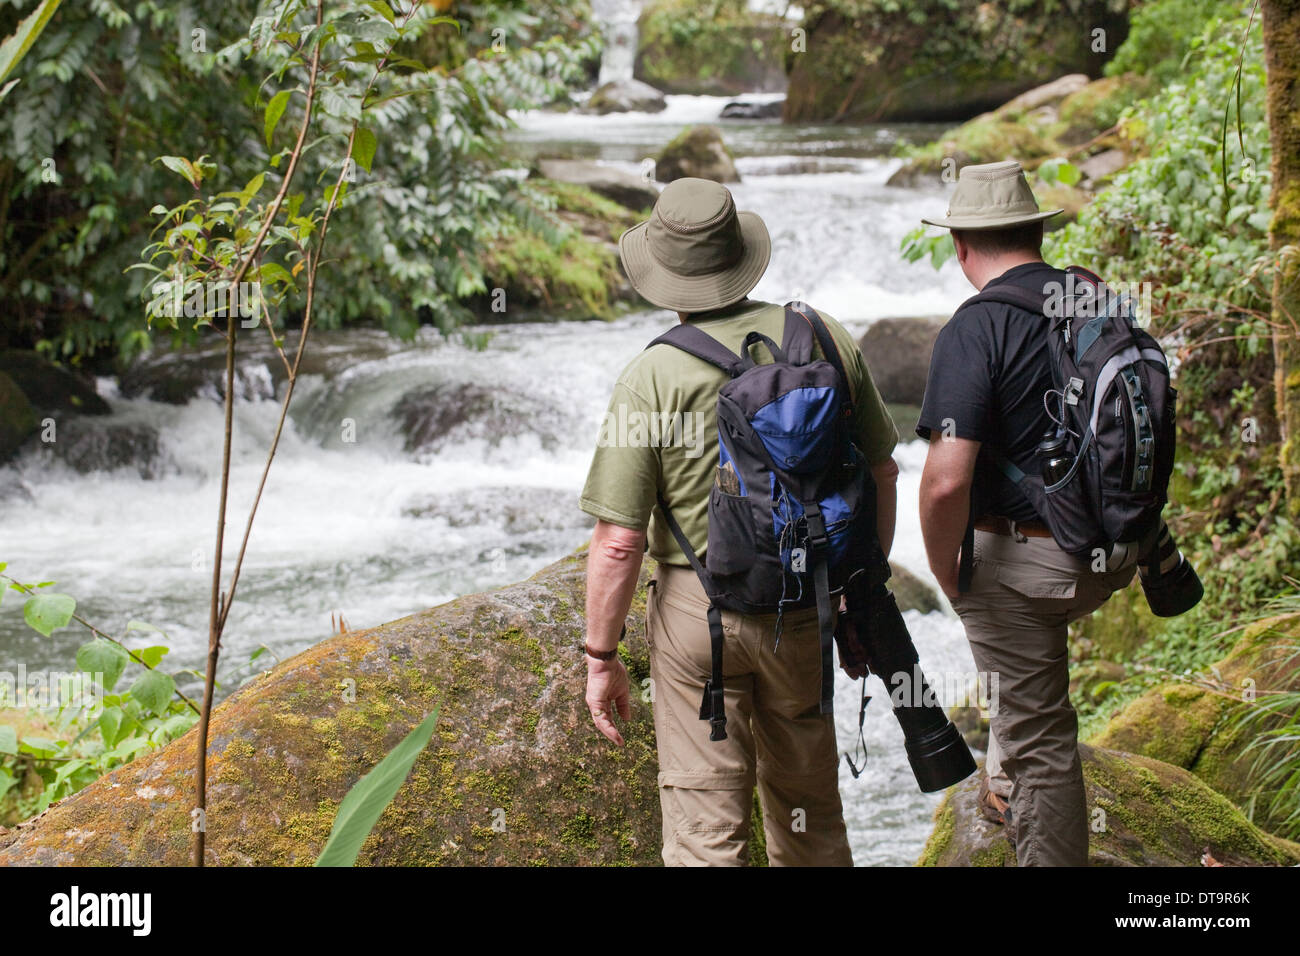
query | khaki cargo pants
(776,738)
(1024,593)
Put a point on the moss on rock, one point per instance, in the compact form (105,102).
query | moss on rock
(285,749)
(1195,725)
(696,152)
(575,274)
(1142,812)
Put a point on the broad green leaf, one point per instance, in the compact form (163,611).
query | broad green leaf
(369,796)
(154,689)
(182,167)
(103,657)
(340,105)
(274,110)
(152,656)
(8,740)
(363,147)
(38,745)
(16,46)
(45,612)
(381,8)
(127,748)
(110,725)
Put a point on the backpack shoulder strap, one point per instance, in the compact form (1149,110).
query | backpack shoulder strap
(797,341)
(826,342)
(697,342)
(1009,294)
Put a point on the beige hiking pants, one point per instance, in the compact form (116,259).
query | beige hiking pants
(1024,593)
(775,735)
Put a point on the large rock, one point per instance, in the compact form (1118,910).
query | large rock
(17,417)
(1197,724)
(724,50)
(50,388)
(936,61)
(626,96)
(1068,117)
(912,593)
(624,188)
(698,152)
(771,109)
(514,746)
(1142,813)
(898,354)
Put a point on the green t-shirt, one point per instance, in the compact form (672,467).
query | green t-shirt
(660,432)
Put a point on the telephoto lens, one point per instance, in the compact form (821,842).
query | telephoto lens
(1169,581)
(935,747)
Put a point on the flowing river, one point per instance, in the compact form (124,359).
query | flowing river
(368,529)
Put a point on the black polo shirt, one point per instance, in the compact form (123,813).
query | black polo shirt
(988,374)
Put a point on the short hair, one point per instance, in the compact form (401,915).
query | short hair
(1026,237)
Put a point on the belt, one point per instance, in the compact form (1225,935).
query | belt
(1005,526)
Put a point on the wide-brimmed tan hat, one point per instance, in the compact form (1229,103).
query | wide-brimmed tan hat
(992,196)
(696,253)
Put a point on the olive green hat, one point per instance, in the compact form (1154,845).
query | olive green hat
(696,253)
(992,196)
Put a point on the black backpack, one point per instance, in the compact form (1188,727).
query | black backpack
(1113,404)
(792,509)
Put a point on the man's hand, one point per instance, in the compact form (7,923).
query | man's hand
(608,690)
(948,580)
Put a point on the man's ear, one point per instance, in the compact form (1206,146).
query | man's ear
(963,250)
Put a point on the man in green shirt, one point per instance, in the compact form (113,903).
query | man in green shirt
(697,256)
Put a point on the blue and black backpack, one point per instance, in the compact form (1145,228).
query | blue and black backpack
(792,508)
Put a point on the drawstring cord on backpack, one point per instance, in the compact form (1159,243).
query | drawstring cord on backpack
(785,543)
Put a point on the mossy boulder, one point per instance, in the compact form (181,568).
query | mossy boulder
(1196,724)
(723,50)
(697,152)
(514,748)
(1069,117)
(569,269)
(628,190)
(17,417)
(937,60)
(1142,812)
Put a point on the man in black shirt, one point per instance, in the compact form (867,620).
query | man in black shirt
(989,373)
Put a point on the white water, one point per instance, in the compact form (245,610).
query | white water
(619,18)
(373,532)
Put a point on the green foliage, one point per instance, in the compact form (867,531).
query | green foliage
(106,88)
(1161,35)
(717,47)
(366,801)
(1273,721)
(57,738)
(1166,219)
(15,47)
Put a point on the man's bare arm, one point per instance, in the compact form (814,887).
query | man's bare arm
(945,505)
(886,478)
(613,565)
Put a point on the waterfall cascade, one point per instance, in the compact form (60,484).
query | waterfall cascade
(619,20)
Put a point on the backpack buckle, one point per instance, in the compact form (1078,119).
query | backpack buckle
(817,536)
(1074,391)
